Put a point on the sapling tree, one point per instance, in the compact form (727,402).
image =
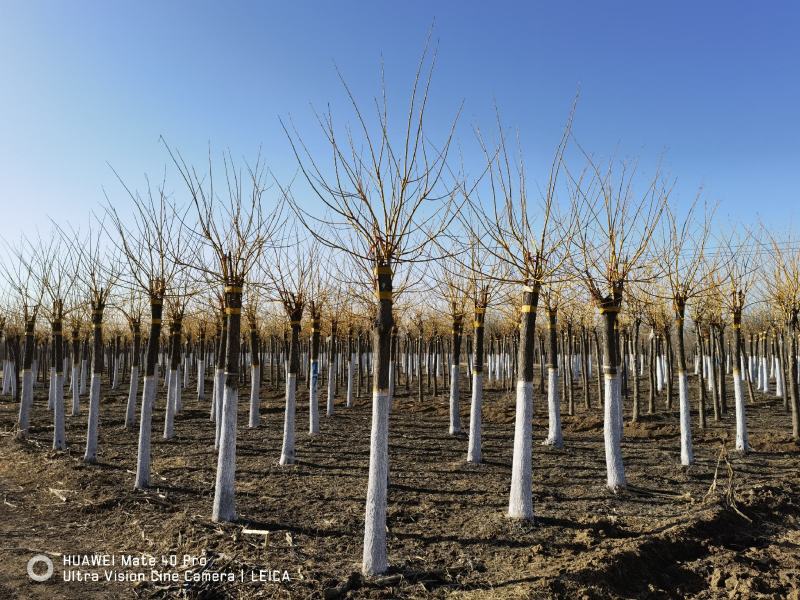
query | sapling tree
(251,310)
(291,270)
(99,268)
(149,242)
(783,288)
(526,237)
(19,271)
(684,243)
(615,228)
(740,273)
(235,231)
(391,191)
(132,307)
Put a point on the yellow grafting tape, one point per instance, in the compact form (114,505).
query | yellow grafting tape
(526,308)
(609,309)
(384,295)
(232,310)
(155,321)
(233,289)
(383,270)
(479,310)
(294,322)
(477,324)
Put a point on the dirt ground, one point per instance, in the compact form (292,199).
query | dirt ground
(727,527)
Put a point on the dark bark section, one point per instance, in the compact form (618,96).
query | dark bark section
(527,333)
(382,330)
(156,309)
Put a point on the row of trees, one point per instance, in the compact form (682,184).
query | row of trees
(397,225)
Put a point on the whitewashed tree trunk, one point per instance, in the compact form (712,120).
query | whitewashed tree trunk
(59,436)
(287,451)
(219,386)
(313,399)
(455,410)
(350,375)
(520,505)
(133,390)
(687,453)
(659,375)
(171,405)
(742,444)
(615,470)
(145,431)
(90,456)
(475,419)
(178,389)
(84,368)
(554,436)
(331,386)
(375,560)
(76,397)
(201,379)
(51,388)
(26,402)
(224,491)
(255,396)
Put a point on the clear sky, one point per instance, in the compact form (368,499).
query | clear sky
(712,86)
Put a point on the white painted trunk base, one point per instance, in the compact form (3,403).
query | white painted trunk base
(475,419)
(455,410)
(59,436)
(520,503)
(313,399)
(133,390)
(171,405)
(76,396)
(145,430)
(255,396)
(742,444)
(351,367)
(375,557)
(287,451)
(554,437)
(687,452)
(224,491)
(90,455)
(331,388)
(26,402)
(201,380)
(615,470)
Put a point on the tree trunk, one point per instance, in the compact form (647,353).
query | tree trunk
(476,403)
(149,387)
(554,437)
(224,491)
(520,504)
(375,558)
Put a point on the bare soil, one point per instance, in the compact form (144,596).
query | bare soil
(728,527)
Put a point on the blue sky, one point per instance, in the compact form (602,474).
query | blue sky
(713,87)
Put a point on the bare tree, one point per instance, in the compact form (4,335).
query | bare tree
(524,235)
(235,231)
(391,192)
(616,227)
(149,242)
(684,245)
(24,281)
